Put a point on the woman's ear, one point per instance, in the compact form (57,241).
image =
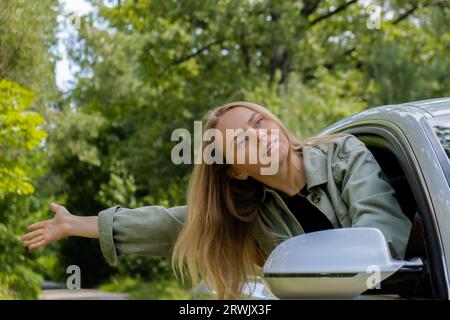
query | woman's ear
(236,174)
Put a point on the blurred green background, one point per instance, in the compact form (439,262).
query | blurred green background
(141,69)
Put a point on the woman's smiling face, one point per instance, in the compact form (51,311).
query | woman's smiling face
(254,135)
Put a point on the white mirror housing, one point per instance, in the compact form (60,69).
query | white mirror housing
(330,264)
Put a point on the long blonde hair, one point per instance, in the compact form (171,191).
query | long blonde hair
(216,244)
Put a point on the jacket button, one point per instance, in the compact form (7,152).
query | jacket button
(315,198)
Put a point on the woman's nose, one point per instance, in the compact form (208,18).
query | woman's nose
(261,135)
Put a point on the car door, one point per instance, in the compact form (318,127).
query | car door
(391,148)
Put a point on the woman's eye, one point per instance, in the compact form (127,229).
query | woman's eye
(259,122)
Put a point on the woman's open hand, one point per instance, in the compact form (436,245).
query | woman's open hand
(45,232)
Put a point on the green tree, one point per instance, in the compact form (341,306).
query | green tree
(26,37)
(19,137)
(27,88)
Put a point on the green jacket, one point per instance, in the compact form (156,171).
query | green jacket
(344,182)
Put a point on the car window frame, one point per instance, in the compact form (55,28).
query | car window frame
(394,137)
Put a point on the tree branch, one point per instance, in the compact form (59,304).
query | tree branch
(180,60)
(332,13)
(439,3)
(406,14)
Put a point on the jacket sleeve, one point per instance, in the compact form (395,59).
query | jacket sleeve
(150,230)
(370,198)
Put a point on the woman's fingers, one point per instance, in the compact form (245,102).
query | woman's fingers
(54,207)
(37,225)
(37,237)
(34,240)
(35,245)
(32,234)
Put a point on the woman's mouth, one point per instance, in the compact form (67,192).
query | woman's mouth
(270,146)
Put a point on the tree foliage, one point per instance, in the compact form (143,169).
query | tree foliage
(27,87)
(148,67)
(19,136)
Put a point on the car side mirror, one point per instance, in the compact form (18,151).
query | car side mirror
(331,264)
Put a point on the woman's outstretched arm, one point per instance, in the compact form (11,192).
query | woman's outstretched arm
(64,224)
(149,230)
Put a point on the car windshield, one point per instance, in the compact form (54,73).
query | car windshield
(441,127)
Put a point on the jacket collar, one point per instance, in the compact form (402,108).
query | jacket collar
(315,169)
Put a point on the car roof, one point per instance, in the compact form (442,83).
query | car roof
(405,115)
(435,107)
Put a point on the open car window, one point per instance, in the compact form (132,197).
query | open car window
(410,281)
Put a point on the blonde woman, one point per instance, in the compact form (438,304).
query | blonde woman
(235,215)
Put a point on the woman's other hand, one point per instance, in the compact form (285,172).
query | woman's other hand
(46,232)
